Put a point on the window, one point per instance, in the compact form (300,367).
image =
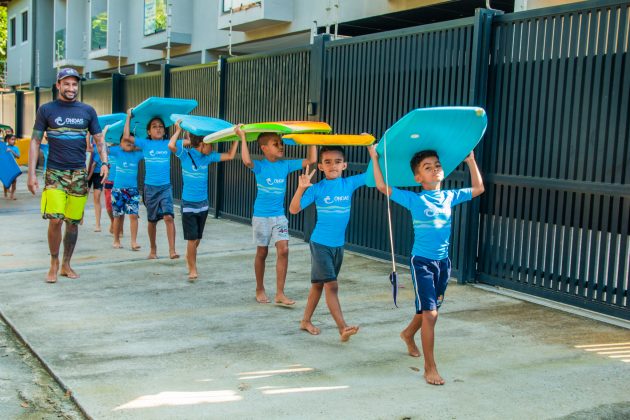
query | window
(154,16)
(60,44)
(25,26)
(98,31)
(12,32)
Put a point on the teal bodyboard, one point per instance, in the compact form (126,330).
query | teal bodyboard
(9,169)
(200,126)
(453,132)
(109,119)
(158,107)
(114,132)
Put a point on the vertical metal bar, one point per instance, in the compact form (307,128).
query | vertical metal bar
(219,170)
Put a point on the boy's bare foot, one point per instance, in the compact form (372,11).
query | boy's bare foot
(97,229)
(135,247)
(174,255)
(309,327)
(412,348)
(261,297)
(68,272)
(152,256)
(117,245)
(433,377)
(192,276)
(283,300)
(348,332)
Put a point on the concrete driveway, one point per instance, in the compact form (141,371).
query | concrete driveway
(132,338)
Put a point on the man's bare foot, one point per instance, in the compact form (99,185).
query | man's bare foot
(51,277)
(117,245)
(261,297)
(174,255)
(348,332)
(433,377)
(309,327)
(68,272)
(283,300)
(135,247)
(412,349)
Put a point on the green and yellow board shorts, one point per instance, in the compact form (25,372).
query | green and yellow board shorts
(65,194)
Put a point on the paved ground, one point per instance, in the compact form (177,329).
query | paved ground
(133,339)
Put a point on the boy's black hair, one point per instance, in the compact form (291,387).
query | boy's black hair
(264,138)
(419,157)
(160,120)
(8,136)
(325,149)
(195,140)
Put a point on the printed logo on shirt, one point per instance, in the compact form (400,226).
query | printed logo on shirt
(337,199)
(154,153)
(61,121)
(274,181)
(433,211)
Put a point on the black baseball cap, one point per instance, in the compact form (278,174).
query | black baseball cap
(68,72)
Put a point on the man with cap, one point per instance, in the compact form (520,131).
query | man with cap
(66,122)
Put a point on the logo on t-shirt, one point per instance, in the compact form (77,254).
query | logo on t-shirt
(433,211)
(337,199)
(274,181)
(74,121)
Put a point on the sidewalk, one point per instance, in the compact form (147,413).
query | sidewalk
(133,339)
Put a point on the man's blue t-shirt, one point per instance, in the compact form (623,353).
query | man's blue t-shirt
(271,181)
(111,175)
(157,161)
(195,172)
(431,214)
(126,167)
(66,124)
(333,198)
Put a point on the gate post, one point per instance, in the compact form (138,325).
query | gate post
(314,109)
(118,97)
(166,80)
(19,113)
(482,38)
(219,173)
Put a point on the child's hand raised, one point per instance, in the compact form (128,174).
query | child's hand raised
(305,178)
(238,129)
(470,158)
(372,151)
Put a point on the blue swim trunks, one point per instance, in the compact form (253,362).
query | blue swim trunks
(430,278)
(159,201)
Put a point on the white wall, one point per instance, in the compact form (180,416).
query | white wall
(19,57)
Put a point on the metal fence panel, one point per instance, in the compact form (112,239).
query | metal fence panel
(8,109)
(98,94)
(372,81)
(28,113)
(264,88)
(555,217)
(45,95)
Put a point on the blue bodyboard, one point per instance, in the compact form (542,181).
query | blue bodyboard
(114,132)
(200,126)
(9,169)
(109,119)
(453,132)
(158,107)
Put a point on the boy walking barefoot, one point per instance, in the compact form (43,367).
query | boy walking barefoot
(195,204)
(430,265)
(332,197)
(269,222)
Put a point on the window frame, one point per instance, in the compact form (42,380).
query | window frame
(144,19)
(12,31)
(24,14)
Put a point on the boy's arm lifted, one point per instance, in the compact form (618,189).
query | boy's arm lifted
(475,175)
(303,184)
(247,160)
(378,175)
(172,143)
(126,132)
(231,153)
(311,157)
